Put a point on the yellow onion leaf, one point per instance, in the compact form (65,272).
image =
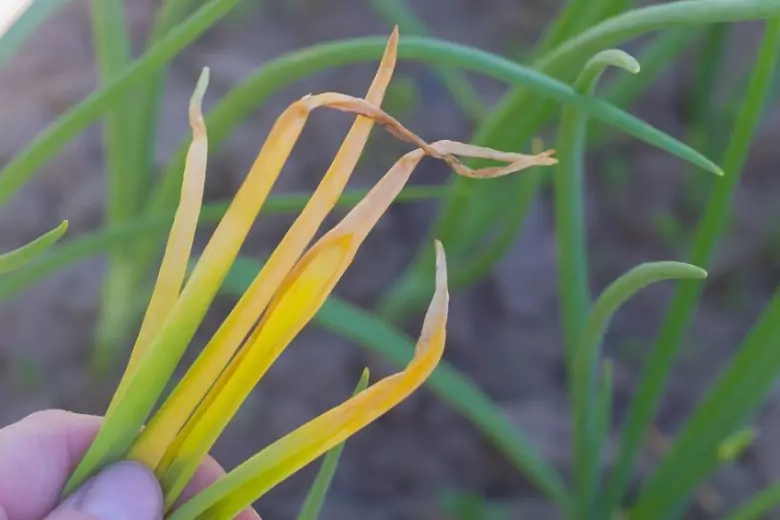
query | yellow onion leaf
(168,421)
(249,481)
(136,399)
(299,298)
(143,385)
(173,268)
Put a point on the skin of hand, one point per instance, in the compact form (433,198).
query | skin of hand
(38,453)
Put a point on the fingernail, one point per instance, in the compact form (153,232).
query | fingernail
(124,491)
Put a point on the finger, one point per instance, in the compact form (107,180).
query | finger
(37,455)
(123,491)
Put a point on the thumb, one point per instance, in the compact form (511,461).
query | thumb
(124,491)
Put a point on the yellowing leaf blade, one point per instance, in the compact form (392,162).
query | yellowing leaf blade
(299,298)
(252,479)
(167,423)
(293,307)
(179,246)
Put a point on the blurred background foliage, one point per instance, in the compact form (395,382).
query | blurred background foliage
(542,409)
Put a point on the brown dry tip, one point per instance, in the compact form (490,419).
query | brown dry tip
(443,150)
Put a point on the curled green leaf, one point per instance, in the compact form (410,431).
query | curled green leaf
(596,66)
(685,13)
(584,390)
(618,293)
(568,194)
(573,270)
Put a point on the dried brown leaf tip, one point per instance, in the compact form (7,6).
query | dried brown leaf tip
(444,150)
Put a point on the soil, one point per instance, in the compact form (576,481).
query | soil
(504,331)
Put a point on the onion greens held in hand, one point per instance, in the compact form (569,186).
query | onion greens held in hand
(282,299)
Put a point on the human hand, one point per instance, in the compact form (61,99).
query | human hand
(38,454)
